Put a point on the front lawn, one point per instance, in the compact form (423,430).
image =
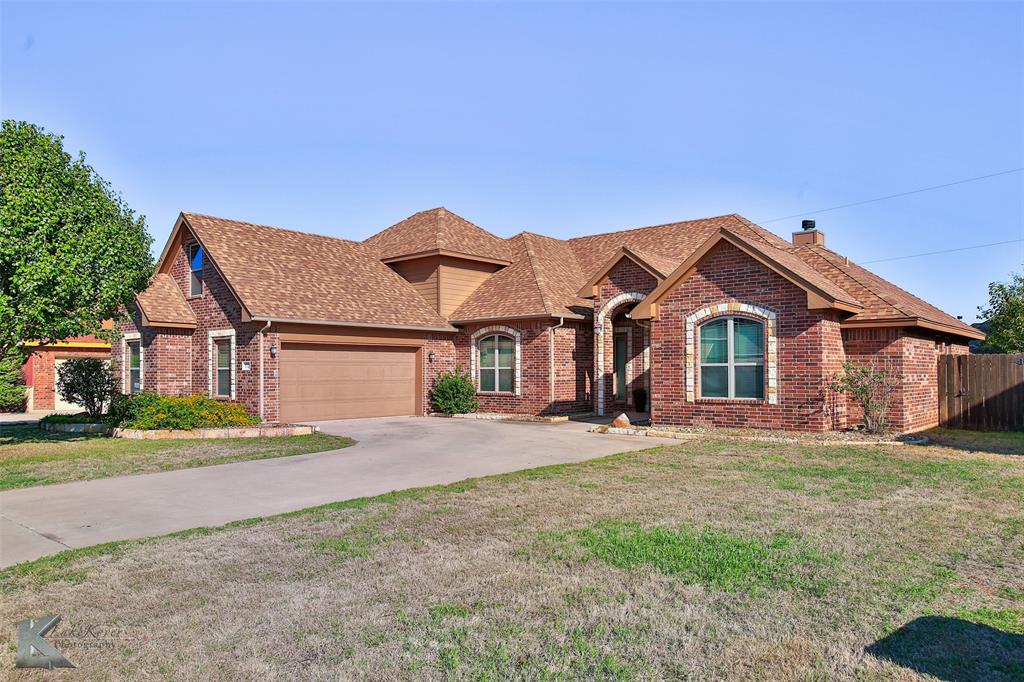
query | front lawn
(710,560)
(30,456)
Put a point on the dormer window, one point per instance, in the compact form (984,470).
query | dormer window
(195,259)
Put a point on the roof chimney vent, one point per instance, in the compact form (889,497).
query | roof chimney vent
(808,235)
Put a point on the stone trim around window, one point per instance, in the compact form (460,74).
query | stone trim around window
(768,317)
(474,355)
(126,363)
(214,335)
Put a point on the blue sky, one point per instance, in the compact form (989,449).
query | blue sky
(562,119)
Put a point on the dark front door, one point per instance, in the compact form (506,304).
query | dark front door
(620,367)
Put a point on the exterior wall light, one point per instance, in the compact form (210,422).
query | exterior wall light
(430,356)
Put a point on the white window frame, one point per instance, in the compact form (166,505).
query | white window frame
(497,364)
(190,253)
(474,357)
(730,362)
(126,361)
(214,336)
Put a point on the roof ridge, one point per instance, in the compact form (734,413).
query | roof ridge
(537,276)
(651,227)
(269,227)
(812,248)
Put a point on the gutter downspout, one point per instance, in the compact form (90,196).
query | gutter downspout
(551,360)
(262,332)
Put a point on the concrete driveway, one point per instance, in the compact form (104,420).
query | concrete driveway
(393,453)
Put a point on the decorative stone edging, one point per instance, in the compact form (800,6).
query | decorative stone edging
(691,435)
(230,432)
(74,428)
(497,417)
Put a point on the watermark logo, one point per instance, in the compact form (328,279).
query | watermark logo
(33,650)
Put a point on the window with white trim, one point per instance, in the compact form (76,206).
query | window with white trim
(732,358)
(497,364)
(195,262)
(222,354)
(133,351)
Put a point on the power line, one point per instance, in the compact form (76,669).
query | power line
(934,253)
(894,196)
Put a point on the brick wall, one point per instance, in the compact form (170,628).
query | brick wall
(177,362)
(41,371)
(808,348)
(625,278)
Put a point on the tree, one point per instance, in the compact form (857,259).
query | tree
(1004,316)
(87,382)
(72,254)
(12,391)
(871,388)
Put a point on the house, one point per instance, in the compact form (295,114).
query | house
(40,369)
(721,321)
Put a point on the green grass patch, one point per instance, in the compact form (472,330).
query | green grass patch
(707,556)
(1007,620)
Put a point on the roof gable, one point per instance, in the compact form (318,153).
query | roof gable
(821,293)
(657,265)
(438,231)
(163,305)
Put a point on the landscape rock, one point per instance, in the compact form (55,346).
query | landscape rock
(621,421)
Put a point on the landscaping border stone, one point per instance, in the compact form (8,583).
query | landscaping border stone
(262,431)
(496,416)
(75,428)
(654,432)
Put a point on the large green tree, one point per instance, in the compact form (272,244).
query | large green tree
(1004,316)
(71,251)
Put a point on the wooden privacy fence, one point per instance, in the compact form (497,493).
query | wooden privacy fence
(984,392)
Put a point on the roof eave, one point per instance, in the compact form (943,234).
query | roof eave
(969,332)
(445,252)
(348,323)
(532,316)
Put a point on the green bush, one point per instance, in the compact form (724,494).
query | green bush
(87,382)
(68,419)
(151,411)
(454,393)
(12,390)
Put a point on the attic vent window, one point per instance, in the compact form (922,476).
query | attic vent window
(195,259)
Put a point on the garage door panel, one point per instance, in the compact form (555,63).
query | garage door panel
(346,382)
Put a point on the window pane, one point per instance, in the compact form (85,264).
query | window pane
(748,340)
(488,354)
(750,381)
(505,380)
(713,341)
(134,355)
(486,380)
(506,351)
(197,259)
(223,355)
(223,382)
(134,380)
(714,382)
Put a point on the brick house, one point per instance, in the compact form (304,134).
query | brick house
(720,321)
(39,371)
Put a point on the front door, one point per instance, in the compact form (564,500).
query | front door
(620,367)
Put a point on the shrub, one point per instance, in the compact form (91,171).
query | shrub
(87,382)
(12,390)
(67,419)
(640,399)
(151,411)
(454,393)
(871,388)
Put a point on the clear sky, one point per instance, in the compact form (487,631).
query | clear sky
(561,119)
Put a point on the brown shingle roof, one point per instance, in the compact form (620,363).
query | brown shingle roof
(163,304)
(281,274)
(542,280)
(438,230)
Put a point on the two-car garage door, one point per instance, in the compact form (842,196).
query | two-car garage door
(322,381)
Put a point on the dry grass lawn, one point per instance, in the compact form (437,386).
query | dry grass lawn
(30,456)
(712,560)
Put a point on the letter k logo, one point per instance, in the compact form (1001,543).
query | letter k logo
(33,650)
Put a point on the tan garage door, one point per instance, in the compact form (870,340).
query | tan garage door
(345,382)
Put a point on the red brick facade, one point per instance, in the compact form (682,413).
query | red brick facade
(562,370)
(39,370)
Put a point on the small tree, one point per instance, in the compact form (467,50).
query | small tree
(72,254)
(12,390)
(1005,317)
(87,382)
(871,388)
(454,393)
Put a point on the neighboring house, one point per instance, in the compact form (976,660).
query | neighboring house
(722,321)
(40,369)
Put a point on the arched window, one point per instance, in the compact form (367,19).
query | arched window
(497,364)
(732,358)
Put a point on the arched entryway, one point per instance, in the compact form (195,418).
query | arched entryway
(622,357)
